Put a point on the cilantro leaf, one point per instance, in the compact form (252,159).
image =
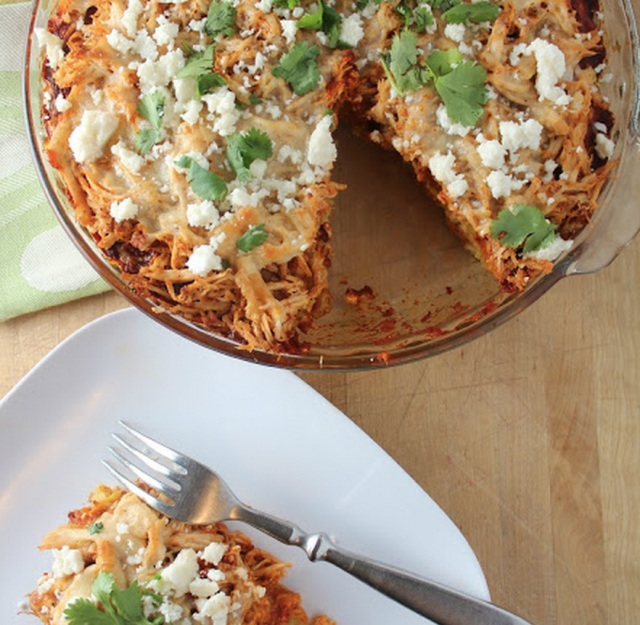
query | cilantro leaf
(404,53)
(401,64)
(287,4)
(252,238)
(328,20)
(442,62)
(151,108)
(405,11)
(85,612)
(477,12)
(526,224)
(121,607)
(424,18)
(145,139)
(220,18)
(463,92)
(204,183)
(299,68)
(312,21)
(95,528)
(254,99)
(198,63)
(242,150)
(443,5)
(208,82)
(128,603)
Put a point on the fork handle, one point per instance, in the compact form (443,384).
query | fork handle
(443,605)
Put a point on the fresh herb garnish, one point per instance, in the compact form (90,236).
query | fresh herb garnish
(204,183)
(242,150)
(526,224)
(406,13)
(119,607)
(459,83)
(200,67)
(443,5)
(299,68)
(477,12)
(95,528)
(287,4)
(423,17)
(328,20)
(252,238)
(220,18)
(253,99)
(151,108)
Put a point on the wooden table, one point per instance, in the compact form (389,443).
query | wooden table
(529,438)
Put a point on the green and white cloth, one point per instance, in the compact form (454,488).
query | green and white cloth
(39,266)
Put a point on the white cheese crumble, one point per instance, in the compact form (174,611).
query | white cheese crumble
(213,553)
(322,150)
(130,17)
(172,612)
(52,44)
(184,569)
(503,185)
(604,146)
(351,31)
(202,261)
(289,30)
(216,607)
(160,73)
(264,5)
(202,214)
(222,108)
(517,135)
(165,32)
(554,250)
(492,153)
(121,211)
(203,588)
(119,42)
(67,561)
(62,104)
(455,32)
(442,168)
(551,66)
(87,141)
(450,127)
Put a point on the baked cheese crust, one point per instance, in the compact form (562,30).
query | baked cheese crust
(245,252)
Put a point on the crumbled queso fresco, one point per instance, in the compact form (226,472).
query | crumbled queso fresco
(208,131)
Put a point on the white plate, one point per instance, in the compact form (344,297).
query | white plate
(280,445)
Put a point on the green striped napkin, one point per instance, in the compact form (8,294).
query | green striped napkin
(39,266)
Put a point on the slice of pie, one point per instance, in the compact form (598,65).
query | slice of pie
(119,557)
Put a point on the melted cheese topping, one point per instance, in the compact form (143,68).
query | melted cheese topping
(534,144)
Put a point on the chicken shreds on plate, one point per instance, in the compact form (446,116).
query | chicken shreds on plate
(195,137)
(119,556)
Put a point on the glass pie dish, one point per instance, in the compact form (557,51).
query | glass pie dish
(403,285)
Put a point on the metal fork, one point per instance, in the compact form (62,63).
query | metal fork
(197,495)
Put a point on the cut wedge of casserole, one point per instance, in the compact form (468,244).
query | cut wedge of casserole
(119,561)
(195,138)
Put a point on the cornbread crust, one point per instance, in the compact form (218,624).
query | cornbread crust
(266,297)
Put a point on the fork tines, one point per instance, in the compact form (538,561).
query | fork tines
(154,466)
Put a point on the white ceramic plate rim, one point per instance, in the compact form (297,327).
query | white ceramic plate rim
(299,458)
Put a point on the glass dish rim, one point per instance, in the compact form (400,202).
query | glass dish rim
(463,333)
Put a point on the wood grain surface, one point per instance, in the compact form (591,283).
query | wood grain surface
(528,438)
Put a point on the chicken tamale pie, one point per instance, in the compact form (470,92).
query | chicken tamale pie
(194,138)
